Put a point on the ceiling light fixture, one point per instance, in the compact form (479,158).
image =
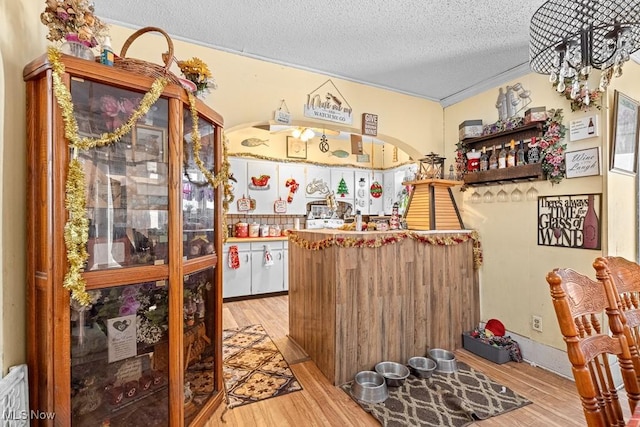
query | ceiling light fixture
(569,38)
(304,134)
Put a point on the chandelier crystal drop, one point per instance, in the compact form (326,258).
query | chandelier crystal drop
(570,38)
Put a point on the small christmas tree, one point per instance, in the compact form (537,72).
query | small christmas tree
(342,188)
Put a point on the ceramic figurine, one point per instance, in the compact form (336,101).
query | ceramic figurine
(501,105)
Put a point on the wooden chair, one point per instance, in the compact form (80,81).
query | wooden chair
(579,302)
(623,277)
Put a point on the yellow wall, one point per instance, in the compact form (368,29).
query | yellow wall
(22,38)
(249,91)
(513,286)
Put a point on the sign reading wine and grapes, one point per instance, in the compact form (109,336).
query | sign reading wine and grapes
(570,221)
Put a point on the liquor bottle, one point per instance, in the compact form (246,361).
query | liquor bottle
(533,156)
(590,227)
(502,158)
(590,128)
(511,154)
(493,160)
(520,160)
(484,160)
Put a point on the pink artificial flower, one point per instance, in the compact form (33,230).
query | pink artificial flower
(128,106)
(62,14)
(109,105)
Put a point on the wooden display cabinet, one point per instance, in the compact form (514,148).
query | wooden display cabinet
(148,349)
(529,172)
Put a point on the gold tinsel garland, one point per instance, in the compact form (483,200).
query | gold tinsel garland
(197,146)
(378,241)
(76,232)
(66,106)
(76,229)
(223,175)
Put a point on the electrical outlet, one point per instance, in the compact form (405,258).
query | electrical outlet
(536,323)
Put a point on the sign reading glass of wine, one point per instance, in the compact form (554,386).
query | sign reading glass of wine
(569,221)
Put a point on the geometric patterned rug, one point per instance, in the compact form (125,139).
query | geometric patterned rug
(253,368)
(455,399)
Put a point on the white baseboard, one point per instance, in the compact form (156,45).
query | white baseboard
(543,356)
(553,359)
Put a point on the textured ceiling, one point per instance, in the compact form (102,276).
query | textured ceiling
(443,51)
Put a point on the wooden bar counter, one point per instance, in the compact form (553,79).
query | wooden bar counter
(352,307)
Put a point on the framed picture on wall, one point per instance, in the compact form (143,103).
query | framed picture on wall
(624,152)
(150,143)
(296,148)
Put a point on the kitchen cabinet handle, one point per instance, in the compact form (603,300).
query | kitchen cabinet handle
(280,255)
(246,258)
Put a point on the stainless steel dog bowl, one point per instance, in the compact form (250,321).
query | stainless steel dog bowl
(445,360)
(422,367)
(394,373)
(370,387)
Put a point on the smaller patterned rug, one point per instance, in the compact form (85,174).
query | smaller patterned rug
(455,400)
(253,368)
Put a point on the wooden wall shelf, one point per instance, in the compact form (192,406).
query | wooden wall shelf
(530,172)
(520,133)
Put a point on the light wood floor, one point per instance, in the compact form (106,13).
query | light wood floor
(555,401)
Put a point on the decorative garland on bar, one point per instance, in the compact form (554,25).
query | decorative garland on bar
(376,242)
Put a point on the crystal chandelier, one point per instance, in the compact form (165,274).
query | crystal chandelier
(569,38)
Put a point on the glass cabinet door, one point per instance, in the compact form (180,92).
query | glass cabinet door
(126,182)
(197,195)
(199,341)
(120,357)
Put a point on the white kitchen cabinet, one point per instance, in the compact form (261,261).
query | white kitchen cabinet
(394,191)
(317,183)
(253,277)
(267,278)
(348,175)
(296,201)
(237,282)
(364,201)
(260,188)
(375,203)
(388,191)
(238,169)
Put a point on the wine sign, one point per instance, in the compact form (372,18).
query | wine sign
(570,221)
(583,128)
(582,162)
